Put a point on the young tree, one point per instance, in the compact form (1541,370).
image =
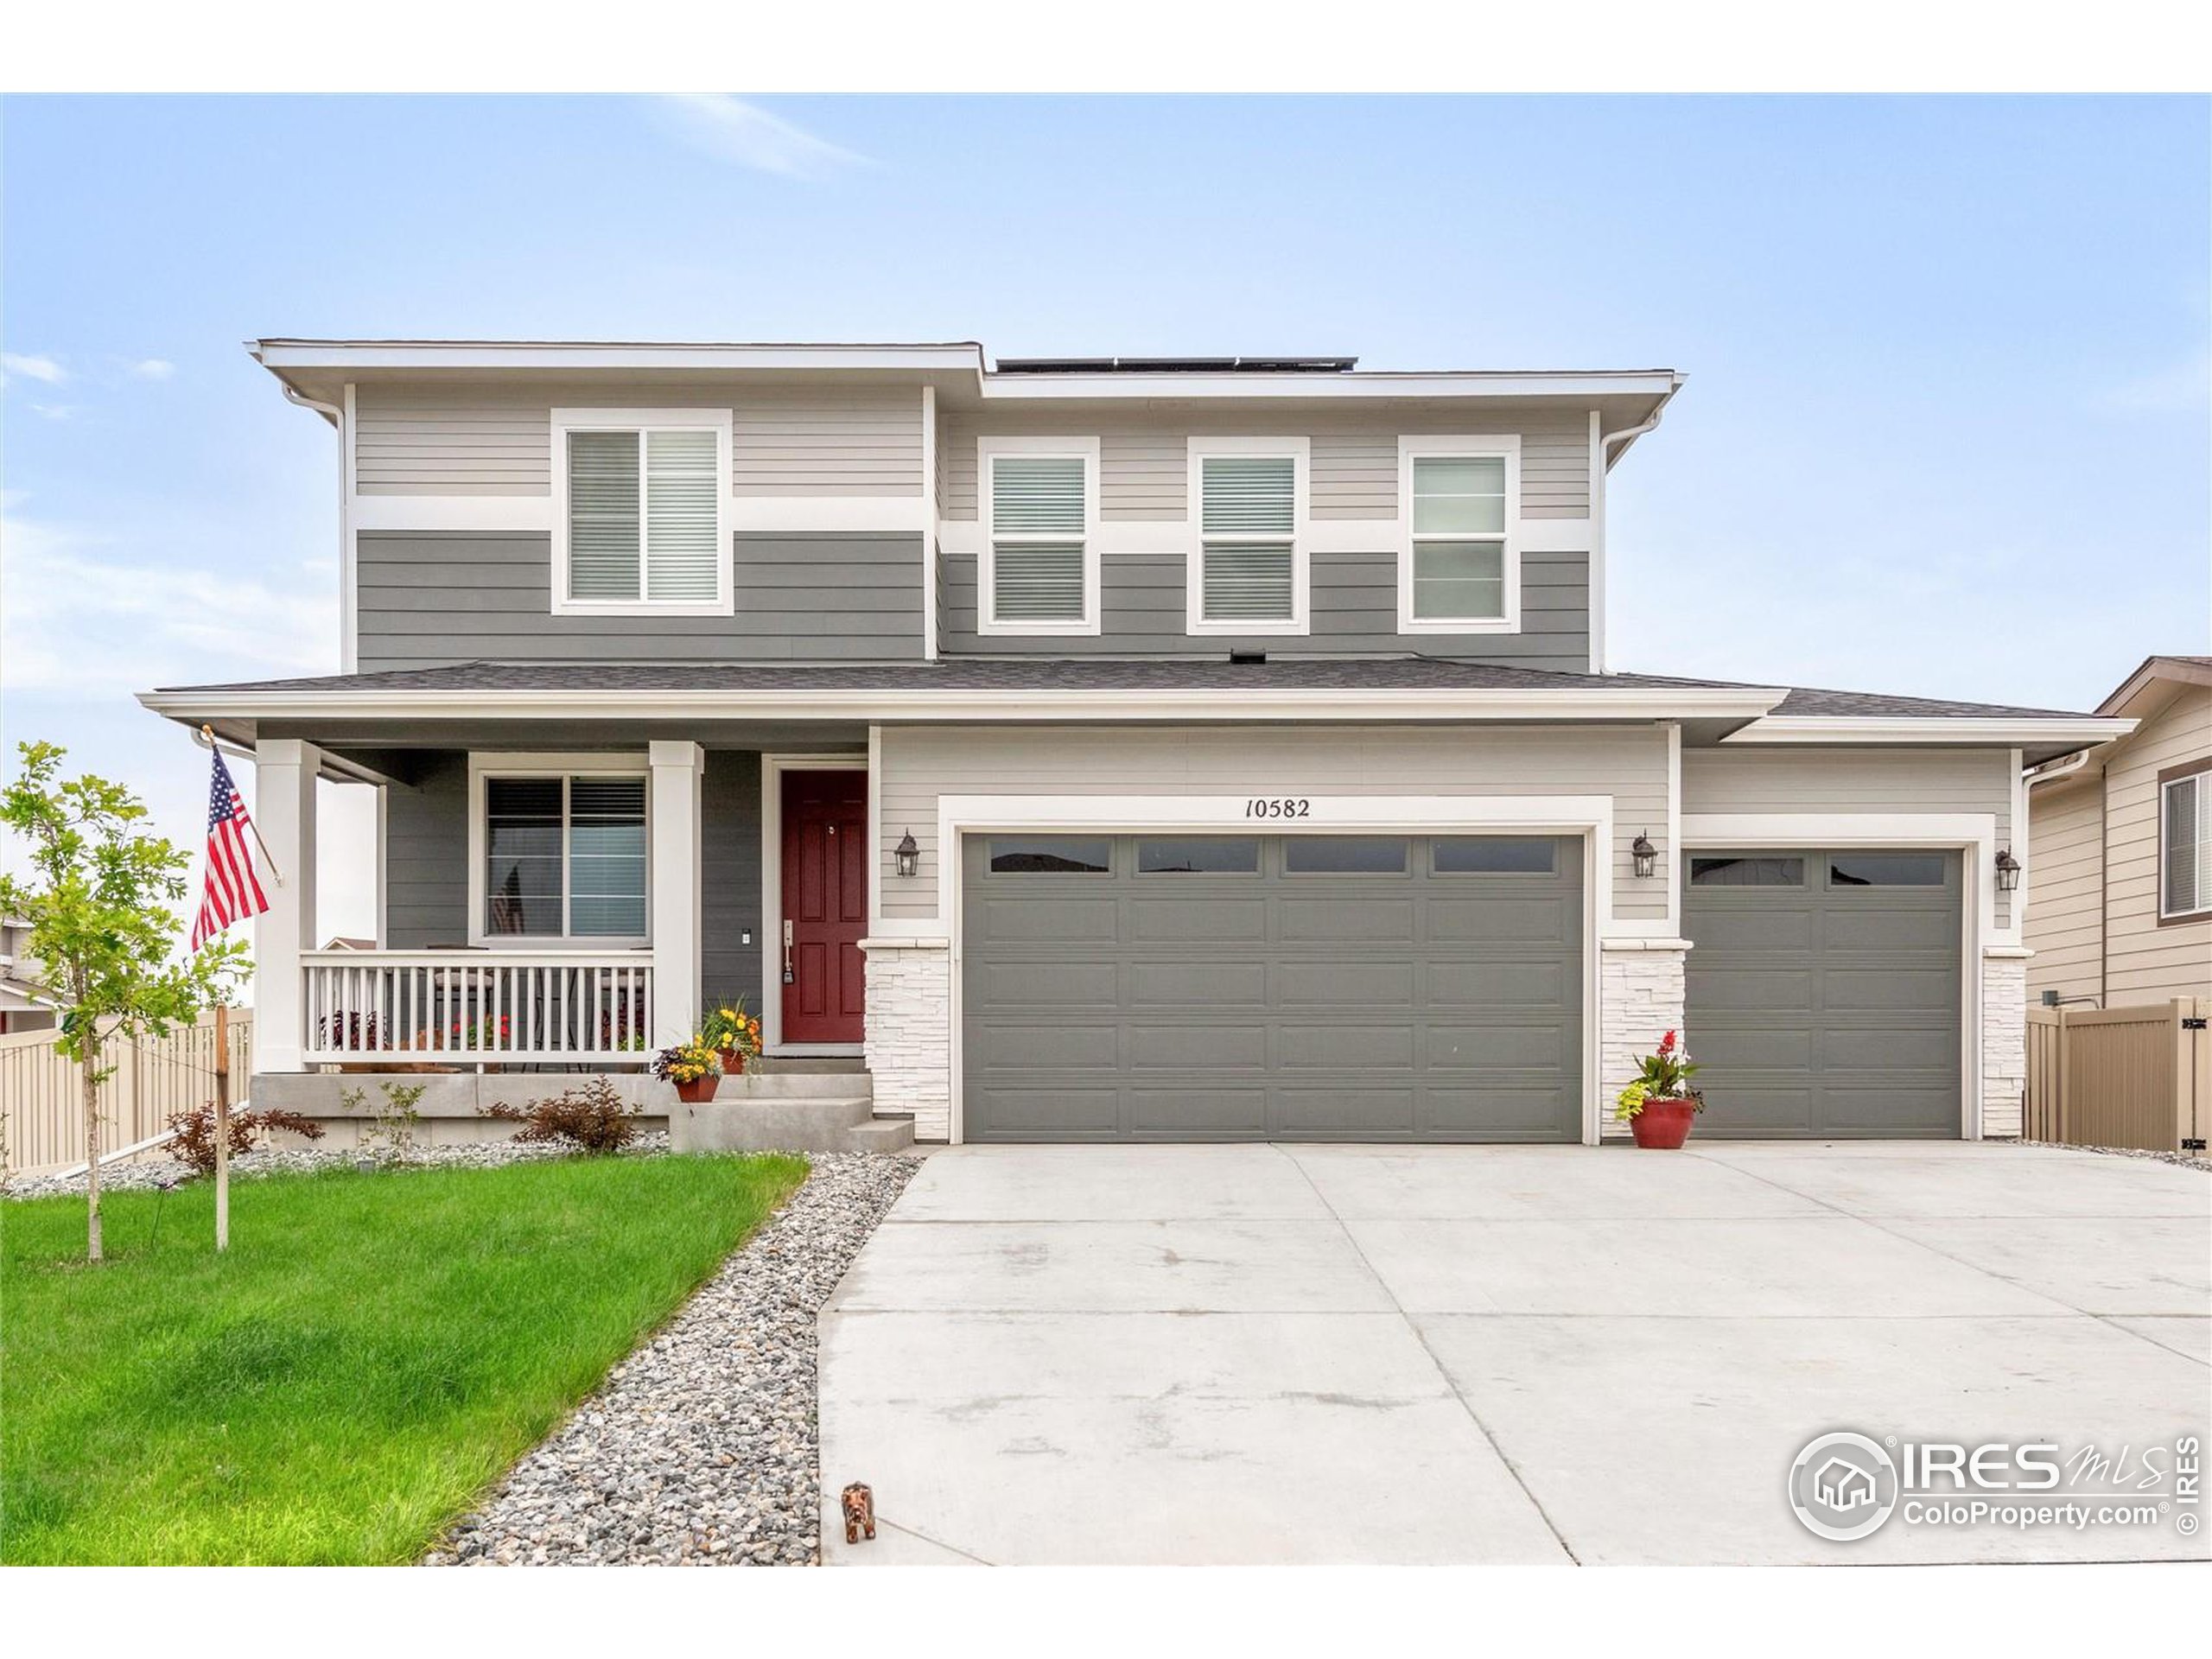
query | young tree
(97,898)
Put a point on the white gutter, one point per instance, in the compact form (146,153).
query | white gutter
(345,355)
(1326,387)
(1932,728)
(893,705)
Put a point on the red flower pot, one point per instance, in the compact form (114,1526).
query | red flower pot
(732,1061)
(1663,1124)
(702,1089)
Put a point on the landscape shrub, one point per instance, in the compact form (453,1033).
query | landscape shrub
(194,1145)
(591,1116)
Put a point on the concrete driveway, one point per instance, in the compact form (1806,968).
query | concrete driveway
(1337,1354)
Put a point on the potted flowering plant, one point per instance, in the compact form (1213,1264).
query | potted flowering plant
(1659,1103)
(693,1067)
(734,1034)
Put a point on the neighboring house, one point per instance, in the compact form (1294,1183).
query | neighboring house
(23,1005)
(1101,750)
(2120,893)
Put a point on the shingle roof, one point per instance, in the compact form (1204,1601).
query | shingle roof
(1100,674)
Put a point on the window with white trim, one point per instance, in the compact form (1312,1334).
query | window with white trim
(1250,575)
(640,520)
(1459,571)
(2185,846)
(563,856)
(1040,557)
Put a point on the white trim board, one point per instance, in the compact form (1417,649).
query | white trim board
(963,538)
(774,766)
(1587,818)
(852,515)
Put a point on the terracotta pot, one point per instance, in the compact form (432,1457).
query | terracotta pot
(733,1062)
(1663,1124)
(698,1090)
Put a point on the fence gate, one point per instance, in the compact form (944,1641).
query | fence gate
(2136,1076)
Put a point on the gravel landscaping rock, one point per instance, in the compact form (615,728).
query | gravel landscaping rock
(701,1448)
(151,1173)
(2186,1159)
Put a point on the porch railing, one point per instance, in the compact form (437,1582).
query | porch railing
(471,1007)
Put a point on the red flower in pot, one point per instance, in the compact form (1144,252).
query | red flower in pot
(1658,1104)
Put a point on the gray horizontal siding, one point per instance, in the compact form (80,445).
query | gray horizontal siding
(426,855)
(1143,453)
(1354,608)
(446,597)
(729,869)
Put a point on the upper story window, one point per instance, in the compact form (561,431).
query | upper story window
(1040,570)
(639,527)
(560,855)
(2185,842)
(1249,572)
(1459,571)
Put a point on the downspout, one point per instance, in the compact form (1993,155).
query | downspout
(1606,444)
(348,652)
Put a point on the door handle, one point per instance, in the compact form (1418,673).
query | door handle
(789,978)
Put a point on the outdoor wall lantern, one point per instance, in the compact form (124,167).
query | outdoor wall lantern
(908,855)
(1645,855)
(2008,870)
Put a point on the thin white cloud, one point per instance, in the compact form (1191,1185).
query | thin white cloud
(2184,385)
(153,368)
(56,411)
(731,130)
(81,621)
(44,369)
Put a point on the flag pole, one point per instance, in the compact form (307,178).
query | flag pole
(222,1127)
(267,857)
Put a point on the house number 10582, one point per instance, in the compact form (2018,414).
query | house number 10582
(1279,806)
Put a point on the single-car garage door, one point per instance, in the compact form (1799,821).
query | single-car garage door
(1823,992)
(1257,987)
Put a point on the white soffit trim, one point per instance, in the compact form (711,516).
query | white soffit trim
(1660,384)
(1930,728)
(957,356)
(898,704)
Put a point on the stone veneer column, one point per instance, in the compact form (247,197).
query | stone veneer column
(2004,1038)
(909,1031)
(1640,994)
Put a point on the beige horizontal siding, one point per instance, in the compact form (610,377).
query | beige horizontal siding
(920,764)
(829,440)
(2144,961)
(1144,451)
(2065,862)
(495,437)
(1822,780)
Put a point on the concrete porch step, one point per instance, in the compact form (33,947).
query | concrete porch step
(811,1065)
(741,1121)
(779,1084)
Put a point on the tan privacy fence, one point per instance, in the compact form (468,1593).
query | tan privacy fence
(42,1113)
(2135,1077)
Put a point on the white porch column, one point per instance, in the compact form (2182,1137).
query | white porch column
(677,768)
(283,807)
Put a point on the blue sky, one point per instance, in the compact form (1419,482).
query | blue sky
(1946,429)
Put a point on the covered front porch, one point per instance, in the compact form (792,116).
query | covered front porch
(561,900)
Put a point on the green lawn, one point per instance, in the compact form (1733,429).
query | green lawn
(371,1351)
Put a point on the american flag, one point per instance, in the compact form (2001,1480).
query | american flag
(230,893)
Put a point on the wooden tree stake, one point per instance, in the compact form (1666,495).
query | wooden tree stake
(222,1127)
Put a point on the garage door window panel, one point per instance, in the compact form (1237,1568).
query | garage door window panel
(1344,855)
(1494,856)
(1198,855)
(1747,872)
(1051,856)
(1888,870)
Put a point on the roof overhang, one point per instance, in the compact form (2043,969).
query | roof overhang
(482,354)
(2039,737)
(2176,671)
(895,705)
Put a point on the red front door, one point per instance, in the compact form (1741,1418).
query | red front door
(825,905)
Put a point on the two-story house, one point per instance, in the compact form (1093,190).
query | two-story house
(1103,750)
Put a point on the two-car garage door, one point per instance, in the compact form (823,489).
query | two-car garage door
(1254,987)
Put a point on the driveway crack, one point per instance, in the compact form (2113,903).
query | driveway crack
(1420,1336)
